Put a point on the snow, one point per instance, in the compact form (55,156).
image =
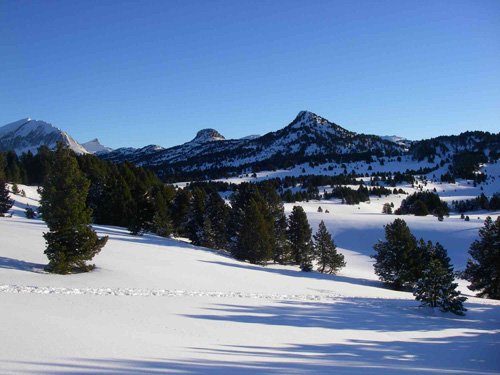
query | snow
(94,146)
(156,305)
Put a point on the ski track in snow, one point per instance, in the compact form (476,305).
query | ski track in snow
(134,292)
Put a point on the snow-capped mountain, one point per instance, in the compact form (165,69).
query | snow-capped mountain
(94,147)
(28,135)
(307,138)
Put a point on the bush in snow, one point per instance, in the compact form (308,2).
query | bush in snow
(387,209)
(29,213)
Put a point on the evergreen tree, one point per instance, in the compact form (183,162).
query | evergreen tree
(71,242)
(161,222)
(325,251)
(196,215)
(142,219)
(398,261)
(255,240)
(299,234)
(5,201)
(180,211)
(208,236)
(436,288)
(483,266)
(282,250)
(215,222)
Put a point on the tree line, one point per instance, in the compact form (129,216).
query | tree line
(405,263)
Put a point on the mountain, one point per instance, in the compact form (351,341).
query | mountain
(94,147)
(308,138)
(28,135)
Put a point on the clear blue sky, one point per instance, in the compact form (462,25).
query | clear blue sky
(134,73)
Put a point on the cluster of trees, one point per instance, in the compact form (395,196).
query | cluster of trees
(466,165)
(255,228)
(405,263)
(479,203)
(422,204)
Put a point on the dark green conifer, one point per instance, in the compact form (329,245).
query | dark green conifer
(329,260)
(483,266)
(436,288)
(398,261)
(299,234)
(5,201)
(255,240)
(71,242)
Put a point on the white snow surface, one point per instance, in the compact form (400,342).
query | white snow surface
(156,305)
(94,147)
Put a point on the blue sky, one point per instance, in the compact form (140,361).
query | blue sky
(134,73)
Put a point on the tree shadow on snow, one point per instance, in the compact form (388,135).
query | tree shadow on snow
(447,344)
(21,265)
(298,273)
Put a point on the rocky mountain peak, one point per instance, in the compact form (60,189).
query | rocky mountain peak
(208,135)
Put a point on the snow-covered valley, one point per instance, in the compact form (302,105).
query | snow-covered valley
(156,305)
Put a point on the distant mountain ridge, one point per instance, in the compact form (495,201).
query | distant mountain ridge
(28,135)
(309,138)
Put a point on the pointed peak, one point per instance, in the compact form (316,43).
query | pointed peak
(94,146)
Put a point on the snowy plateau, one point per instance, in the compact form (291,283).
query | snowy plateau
(156,305)
(162,305)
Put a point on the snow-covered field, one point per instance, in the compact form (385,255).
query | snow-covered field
(157,305)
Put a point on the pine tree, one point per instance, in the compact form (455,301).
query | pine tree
(255,240)
(180,211)
(162,223)
(71,242)
(398,261)
(325,251)
(5,201)
(208,236)
(282,250)
(483,266)
(299,234)
(196,215)
(143,215)
(436,289)
(215,222)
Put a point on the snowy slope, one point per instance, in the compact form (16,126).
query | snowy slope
(28,135)
(157,305)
